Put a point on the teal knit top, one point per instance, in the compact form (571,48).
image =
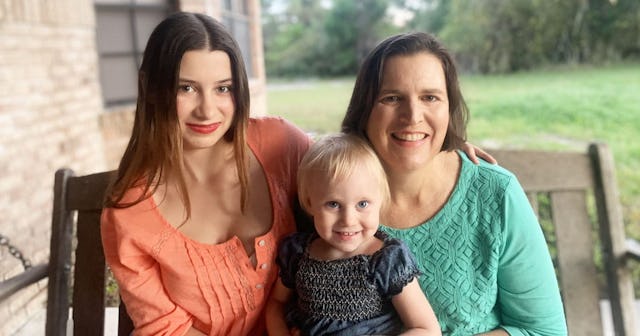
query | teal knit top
(484,259)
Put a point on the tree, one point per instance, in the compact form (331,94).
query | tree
(615,29)
(353,28)
(505,36)
(291,37)
(429,16)
(487,36)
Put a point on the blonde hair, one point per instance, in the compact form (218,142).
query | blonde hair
(338,156)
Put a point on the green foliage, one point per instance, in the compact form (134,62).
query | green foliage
(355,28)
(310,40)
(493,36)
(430,16)
(544,213)
(291,40)
(487,36)
(112,297)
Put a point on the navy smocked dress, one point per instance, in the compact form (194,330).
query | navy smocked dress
(349,296)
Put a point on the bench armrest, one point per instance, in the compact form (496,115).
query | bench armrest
(633,249)
(30,276)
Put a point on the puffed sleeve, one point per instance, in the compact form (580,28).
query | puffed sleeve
(290,251)
(528,292)
(139,281)
(393,267)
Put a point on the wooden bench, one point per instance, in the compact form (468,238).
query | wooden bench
(77,205)
(76,268)
(569,181)
(573,183)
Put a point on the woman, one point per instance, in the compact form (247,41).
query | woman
(486,266)
(203,193)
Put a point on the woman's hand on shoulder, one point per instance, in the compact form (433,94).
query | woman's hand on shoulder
(474,152)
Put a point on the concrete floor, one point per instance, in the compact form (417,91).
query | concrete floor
(36,325)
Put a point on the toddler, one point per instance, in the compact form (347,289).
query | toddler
(346,278)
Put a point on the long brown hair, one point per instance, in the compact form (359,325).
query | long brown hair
(369,80)
(155,146)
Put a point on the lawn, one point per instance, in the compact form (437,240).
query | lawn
(554,109)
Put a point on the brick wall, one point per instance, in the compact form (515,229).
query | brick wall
(49,103)
(116,127)
(51,116)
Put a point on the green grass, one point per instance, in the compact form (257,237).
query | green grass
(316,106)
(554,109)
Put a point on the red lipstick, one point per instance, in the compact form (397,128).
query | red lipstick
(204,129)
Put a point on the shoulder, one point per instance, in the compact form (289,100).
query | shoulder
(290,252)
(394,266)
(395,250)
(130,196)
(140,219)
(275,128)
(486,168)
(274,138)
(498,189)
(395,255)
(294,243)
(487,175)
(267,121)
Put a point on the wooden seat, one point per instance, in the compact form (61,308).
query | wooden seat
(563,187)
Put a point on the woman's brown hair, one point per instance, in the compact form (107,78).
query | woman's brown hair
(155,146)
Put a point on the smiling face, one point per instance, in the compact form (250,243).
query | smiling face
(410,116)
(204,101)
(346,212)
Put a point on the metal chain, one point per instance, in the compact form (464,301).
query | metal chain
(4,241)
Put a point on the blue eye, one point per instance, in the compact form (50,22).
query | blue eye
(363,204)
(332,204)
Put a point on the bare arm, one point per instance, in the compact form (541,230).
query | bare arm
(415,311)
(474,152)
(275,315)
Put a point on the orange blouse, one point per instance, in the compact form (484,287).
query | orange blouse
(170,282)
